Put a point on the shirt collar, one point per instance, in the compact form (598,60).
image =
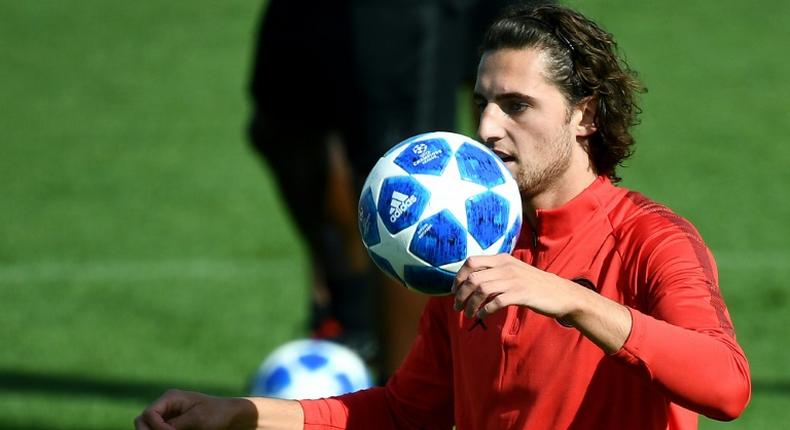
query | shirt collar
(559,223)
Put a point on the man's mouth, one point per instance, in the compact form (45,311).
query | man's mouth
(504,156)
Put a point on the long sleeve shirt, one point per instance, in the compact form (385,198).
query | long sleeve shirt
(524,370)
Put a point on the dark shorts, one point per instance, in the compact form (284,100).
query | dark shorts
(375,71)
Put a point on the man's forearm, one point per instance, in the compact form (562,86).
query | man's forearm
(270,414)
(605,322)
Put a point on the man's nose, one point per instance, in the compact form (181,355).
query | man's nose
(489,127)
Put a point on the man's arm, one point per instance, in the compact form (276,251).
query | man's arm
(487,284)
(182,409)
(683,345)
(685,341)
(418,396)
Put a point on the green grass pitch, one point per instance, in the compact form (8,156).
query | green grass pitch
(142,246)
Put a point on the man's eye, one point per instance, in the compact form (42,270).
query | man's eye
(515,107)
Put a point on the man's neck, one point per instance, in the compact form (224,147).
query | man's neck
(570,185)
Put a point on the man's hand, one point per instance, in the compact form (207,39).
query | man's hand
(486,284)
(177,410)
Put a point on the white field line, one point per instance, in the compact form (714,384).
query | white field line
(228,270)
(137,271)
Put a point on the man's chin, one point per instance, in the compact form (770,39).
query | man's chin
(512,167)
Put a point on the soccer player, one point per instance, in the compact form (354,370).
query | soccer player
(606,316)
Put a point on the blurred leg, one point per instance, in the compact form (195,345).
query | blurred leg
(349,282)
(408,86)
(302,90)
(402,308)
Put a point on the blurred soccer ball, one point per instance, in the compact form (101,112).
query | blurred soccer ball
(432,201)
(310,369)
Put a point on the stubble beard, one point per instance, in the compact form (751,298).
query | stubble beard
(533,179)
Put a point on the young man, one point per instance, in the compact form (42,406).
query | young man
(608,313)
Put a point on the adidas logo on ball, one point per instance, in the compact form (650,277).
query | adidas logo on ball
(400,203)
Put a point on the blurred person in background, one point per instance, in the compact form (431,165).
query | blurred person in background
(334,85)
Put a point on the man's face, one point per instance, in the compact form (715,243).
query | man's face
(524,118)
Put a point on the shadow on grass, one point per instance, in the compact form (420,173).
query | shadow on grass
(776,387)
(21,383)
(49,426)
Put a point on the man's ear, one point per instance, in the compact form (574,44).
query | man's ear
(586,125)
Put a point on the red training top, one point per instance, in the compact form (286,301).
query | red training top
(528,371)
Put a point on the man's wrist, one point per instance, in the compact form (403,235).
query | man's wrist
(602,320)
(243,412)
(576,297)
(270,414)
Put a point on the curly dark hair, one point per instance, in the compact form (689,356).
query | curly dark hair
(583,63)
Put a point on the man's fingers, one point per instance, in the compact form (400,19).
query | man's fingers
(139,423)
(474,285)
(478,308)
(471,265)
(493,304)
(473,302)
(466,293)
(155,416)
(151,420)
(184,421)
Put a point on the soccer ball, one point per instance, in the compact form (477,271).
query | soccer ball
(432,201)
(310,369)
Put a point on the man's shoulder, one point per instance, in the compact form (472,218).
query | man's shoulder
(632,214)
